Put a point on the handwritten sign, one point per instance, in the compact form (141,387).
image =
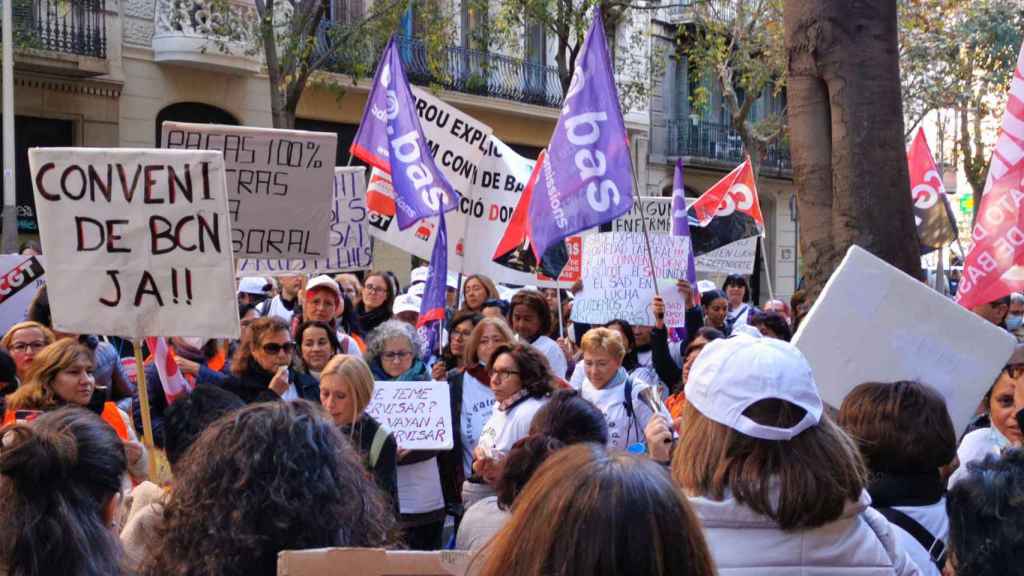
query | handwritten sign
(351,244)
(22,276)
(279,185)
(653,211)
(617,279)
(419,414)
(874,323)
(735,258)
(138,242)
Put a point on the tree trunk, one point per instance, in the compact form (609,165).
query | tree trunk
(846,133)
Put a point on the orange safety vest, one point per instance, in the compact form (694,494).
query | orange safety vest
(111,415)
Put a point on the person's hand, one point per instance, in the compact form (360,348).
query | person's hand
(577,287)
(437,371)
(567,348)
(686,291)
(659,439)
(279,383)
(187,366)
(658,309)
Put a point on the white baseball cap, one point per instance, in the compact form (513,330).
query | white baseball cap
(706,286)
(253,285)
(406,303)
(324,281)
(418,275)
(731,374)
(417,289)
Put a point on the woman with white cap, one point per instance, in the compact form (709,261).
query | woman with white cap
(778,487)
(324,302)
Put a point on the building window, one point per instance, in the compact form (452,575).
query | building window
(474,25)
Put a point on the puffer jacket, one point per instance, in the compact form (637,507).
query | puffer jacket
(744,543)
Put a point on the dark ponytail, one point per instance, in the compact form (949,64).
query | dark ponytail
(57,475)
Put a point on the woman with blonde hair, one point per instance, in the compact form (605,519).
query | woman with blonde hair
(23,341)
(346,387)
(62,375)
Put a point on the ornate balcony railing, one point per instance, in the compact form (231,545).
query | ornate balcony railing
(68,26)
(460,70)
(719,142)
(207,34)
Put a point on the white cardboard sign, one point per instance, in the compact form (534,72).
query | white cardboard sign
(351,244)
(137,241)
(279,185)
(874,323)
(419,414)
(617,280)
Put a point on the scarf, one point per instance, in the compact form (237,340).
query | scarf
(889,490)
(617,380)
(416,373)
(370,319)
(513,400)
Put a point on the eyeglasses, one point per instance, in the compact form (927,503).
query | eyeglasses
(23,346)
(505,374)
(274,349)
(395,356)
(1014,370)
(374,290)
(461,333)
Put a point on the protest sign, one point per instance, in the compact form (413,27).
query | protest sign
(490,190)
(372,562)
(20,279)
(351,246)
(278,181)
(419,414)
(138,242)
(735,258)
(617,279)
(874,323)
(655,210)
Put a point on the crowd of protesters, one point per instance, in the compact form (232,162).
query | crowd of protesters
(578,450)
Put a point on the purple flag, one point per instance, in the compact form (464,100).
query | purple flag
(680,220)
(390,138)
(434,295)
(587,176)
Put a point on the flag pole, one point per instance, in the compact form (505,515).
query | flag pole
(561,323)
(147,422)
(767,272)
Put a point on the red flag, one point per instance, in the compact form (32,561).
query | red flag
(995,265)
(936,225)
(736,192)
(174,383)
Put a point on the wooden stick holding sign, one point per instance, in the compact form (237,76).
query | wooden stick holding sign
(147,421)
(643,226)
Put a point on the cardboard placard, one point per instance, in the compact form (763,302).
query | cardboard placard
(372,562)
(490,189)
(279,185)
(351,245)
(20,279)
(874,323)
(617,279)
(138,241)
(419,414)
(735,258)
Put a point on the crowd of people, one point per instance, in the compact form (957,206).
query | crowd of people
(578,449)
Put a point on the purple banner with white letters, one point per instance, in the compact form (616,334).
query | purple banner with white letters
(390,138)
(587,177)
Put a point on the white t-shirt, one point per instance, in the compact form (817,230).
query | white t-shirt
(611,401)
(739,316)
(504,429)
(477,407)
(419,487)
(556,358)
(974,447)
(276,308)
(932,518)
(348,344)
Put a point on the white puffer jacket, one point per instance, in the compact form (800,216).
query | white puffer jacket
(743,543)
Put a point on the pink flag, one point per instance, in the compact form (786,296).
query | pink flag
(995,265)
(174,383)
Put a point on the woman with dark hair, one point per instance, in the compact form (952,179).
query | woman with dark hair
(531,321)
(777,485)
(587,512)
(716,310)
(737,291)
(521,381)
(392,354)
(273,476)
(986,518)
(60,490)
(571,419)
(704,310)
(460,328)
(771,325)
(318,343)
(374,308)
(476,290)
(905,435)
(260,373)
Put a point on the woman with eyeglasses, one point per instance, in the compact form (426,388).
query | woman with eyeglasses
(23,341)
(472,403)
(391,353)
(374,308)
(459,330)
(260,368)
(351,287)
(521,380)
(998,428)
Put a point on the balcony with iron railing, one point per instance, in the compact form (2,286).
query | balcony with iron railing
(465,70)
(720,146)
(64,36)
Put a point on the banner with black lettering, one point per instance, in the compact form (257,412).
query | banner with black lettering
(20,279)
(137,241)
(279,185)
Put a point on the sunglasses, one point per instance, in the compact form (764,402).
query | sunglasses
(274,349)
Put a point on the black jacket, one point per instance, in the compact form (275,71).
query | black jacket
(158,402)
(668,371)
(254,385)
(385,472)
